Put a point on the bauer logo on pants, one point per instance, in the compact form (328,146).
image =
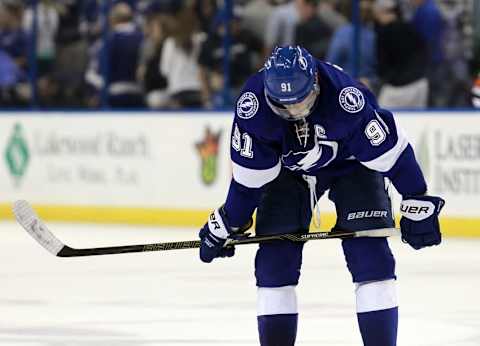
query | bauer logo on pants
(366,214)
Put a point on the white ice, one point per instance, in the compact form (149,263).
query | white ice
(172,299)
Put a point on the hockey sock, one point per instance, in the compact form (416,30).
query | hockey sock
(377,312)
(277,315)
(379,328)
(277,330)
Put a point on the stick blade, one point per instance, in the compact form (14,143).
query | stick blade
(29,220)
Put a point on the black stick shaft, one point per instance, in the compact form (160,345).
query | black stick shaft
(110,250)
(67,251)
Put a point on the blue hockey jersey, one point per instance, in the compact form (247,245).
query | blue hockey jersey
(346,127)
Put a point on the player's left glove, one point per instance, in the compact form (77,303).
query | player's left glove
(214,235)
(419,223)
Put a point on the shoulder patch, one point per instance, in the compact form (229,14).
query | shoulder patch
(351,99)
(247,105)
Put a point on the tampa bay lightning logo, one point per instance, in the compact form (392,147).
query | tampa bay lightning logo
(322,153)
(351,99)
(247,105)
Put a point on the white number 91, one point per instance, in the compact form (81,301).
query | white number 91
(375,133)
(285,87)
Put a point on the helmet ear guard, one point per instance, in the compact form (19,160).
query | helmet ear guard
(290,78)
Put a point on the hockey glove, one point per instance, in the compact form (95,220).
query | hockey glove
(419,223)
(214,234)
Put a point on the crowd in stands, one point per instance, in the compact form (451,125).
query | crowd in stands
(169,54)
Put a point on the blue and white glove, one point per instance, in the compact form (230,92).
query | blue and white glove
(419,223)
(214,234)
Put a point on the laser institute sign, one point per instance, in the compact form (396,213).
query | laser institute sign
(448,149)
(457,162)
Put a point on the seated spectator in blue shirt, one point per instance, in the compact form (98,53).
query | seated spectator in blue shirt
(429,23)
(10,73)
(10,77)
(122,55)
(341,50)
(13,39)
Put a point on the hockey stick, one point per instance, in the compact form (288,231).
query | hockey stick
(29,220)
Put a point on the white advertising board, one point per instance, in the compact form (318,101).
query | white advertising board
(447,145)
(180,161)
(138,160)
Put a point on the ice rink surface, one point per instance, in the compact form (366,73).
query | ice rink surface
(171,298)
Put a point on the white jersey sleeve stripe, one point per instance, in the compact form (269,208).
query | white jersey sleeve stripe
(385,162)
(255,178)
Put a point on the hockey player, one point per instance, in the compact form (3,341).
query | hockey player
(302,127)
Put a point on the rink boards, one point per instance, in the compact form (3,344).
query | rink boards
(172,168)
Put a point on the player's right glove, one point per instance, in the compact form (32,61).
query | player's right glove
(215,233)
(419,223)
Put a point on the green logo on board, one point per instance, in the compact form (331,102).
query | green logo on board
(17,155)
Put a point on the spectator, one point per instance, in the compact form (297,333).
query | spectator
(245,52)
(311,32)
(122,52)
(205,11)
(10,74)
(476,37)
(10,77)
(327,11)
(91,14)
(341,51)
(458,79)
(14,90)
(401,56)
(91,24)
(13,39)
(253,18)
(47,29)
(148,73)
(476,92)
(281,26)
(178,62)
(72,52)
(429,23)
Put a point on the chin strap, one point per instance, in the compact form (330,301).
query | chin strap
(314,207)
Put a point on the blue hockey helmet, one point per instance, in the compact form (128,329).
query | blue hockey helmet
(290,82)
